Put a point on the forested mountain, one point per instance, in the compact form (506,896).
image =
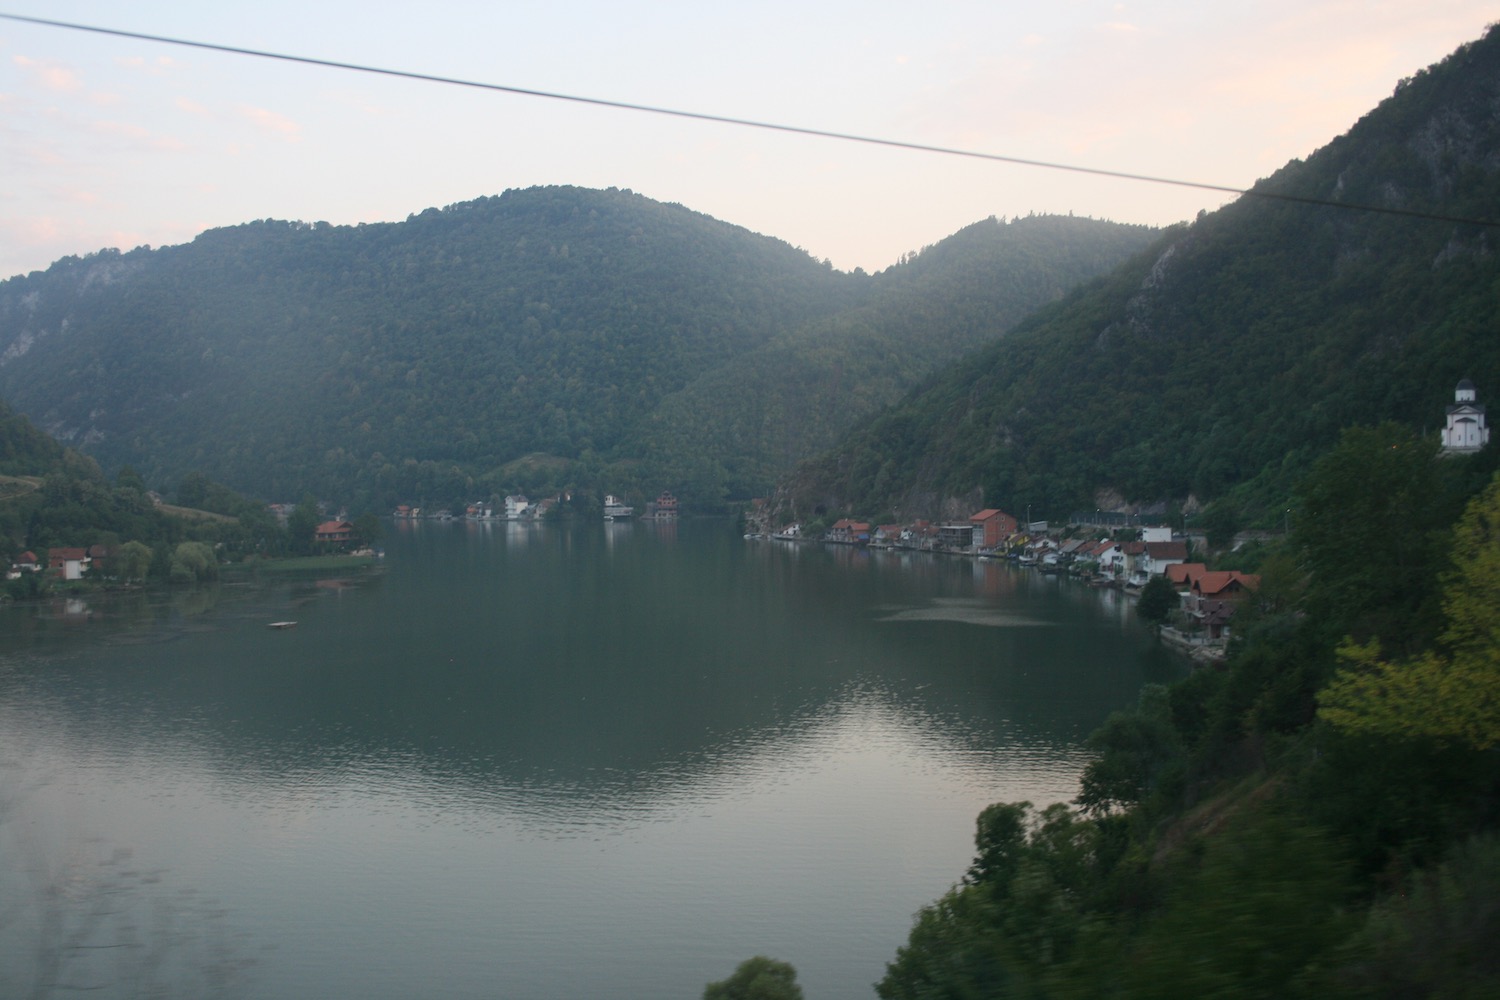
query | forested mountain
(752,418)
(542,338)
(1229,354)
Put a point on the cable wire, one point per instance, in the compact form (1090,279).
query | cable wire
(747,122)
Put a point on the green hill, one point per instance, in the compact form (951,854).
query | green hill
(539,338)
(1232,352)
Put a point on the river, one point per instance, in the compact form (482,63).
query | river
(530,762)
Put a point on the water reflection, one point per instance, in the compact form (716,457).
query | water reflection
(742,740)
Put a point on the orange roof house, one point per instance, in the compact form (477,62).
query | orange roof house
(996,526)
(334,531)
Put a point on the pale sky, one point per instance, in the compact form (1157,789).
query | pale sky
(110,142)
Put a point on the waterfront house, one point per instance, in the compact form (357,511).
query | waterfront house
(68,563)
(957,537)
(991,527)
(334,533)
(516,506)
(663,507)
(919,535)
(849,532)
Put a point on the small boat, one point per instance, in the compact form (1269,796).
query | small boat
(282,625)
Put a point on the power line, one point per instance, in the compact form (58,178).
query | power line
(746,122)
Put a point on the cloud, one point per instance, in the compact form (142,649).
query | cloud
(192,107)
(142,136)
(159,66)
(49,74)
(272,122)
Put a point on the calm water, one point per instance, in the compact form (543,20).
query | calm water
(607,762)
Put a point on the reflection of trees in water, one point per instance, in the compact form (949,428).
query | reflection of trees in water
(96,923)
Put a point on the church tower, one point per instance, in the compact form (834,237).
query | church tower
(1466,432)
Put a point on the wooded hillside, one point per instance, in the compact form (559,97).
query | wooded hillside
(542,338)
(1233,351)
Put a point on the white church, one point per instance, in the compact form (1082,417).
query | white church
(1466,432)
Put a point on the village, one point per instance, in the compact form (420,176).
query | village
(1206,599)
(516,507)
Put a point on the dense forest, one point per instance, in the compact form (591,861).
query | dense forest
(1224,359)
(1320,817)
(540,339)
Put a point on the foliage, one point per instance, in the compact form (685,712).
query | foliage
(67,502)
(1267,901)
(1136,750)
(1017,918)
(594,337)
(757,978)
(1234,350)
(1452,696)
(131,561)
(193,562)
(1435,936)
(1157,600)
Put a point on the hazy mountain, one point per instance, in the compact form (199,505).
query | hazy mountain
(541,337)
(1234,349)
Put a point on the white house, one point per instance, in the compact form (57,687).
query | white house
(1465,432)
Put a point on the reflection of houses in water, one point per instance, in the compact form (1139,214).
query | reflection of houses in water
(995,579)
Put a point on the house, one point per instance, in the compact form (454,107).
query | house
(886,535)
(1183,575)
(957,536)
(516,506)
(26,562)
(919,535)
(1108,555)
(68,563)
(1211,600)
(991,527)
(1161,554)
(664,506)
(1229,584)
(333,533)
(848,532)
(1465,432)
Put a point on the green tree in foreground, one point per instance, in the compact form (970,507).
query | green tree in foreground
(758,978)
(1454,696)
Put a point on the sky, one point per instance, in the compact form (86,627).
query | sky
(114,142)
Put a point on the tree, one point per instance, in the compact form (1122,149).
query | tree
(132,560)
(367,529)
(1158,599)
(1137,750)
(758,978)
(193,562)
(1220,522)
(1374,518)
(1451,697)
(302,525)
